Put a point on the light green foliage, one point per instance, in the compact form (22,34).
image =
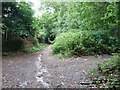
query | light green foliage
(84,25)
(65,43)
(79,16)
(111,15)
(46,27)
(85,43)
(34,48)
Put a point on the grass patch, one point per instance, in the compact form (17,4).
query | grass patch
(35,48)
(4,54)
(32,49)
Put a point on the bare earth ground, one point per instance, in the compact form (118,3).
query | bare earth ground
(43,70)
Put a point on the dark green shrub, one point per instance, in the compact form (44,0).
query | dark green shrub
(85,43)
(12,45)
(100,42)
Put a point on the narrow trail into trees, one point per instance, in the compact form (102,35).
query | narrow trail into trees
(43,70)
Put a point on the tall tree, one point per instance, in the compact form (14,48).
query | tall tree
(18,17)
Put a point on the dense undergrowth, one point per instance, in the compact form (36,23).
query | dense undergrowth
(107,74)
(58,20)
(34,48)
(85,43)
(13,46)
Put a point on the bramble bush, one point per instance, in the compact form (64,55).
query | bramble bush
(109,73)
(85,43)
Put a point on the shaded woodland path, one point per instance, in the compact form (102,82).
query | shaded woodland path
(43,70)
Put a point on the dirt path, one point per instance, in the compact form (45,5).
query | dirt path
(42,70)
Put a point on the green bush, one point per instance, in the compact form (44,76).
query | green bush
(65,43)
(100,42)
(85,43)
(34,48)
(12,45)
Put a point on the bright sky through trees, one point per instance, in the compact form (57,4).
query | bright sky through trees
(36,7)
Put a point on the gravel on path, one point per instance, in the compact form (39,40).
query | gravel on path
(43,70)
